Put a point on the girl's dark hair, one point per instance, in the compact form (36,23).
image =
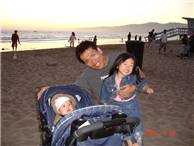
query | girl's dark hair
(84,45)
(120,59)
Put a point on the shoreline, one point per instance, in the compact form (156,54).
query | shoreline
(59,46)
(6,46)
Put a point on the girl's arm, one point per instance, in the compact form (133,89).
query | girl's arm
(143,86)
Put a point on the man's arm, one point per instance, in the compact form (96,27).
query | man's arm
(40,92)
(127,91)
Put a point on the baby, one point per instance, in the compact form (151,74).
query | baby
(62,104)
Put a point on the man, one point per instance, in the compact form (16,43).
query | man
(15,39)
(98,69)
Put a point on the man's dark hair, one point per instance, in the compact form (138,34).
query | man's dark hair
(84,45)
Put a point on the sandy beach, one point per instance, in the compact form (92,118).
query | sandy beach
(168,114)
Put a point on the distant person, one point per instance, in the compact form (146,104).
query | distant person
(135,37)
(72,39)
(185,48)
(191,43)
(62,105)
(140,38)
(163,42)
(78,40)
(129,36)
(15,40)
(95,40)
(151,38)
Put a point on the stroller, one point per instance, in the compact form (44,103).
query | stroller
(88,125)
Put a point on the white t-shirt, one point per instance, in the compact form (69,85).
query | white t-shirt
(164,38)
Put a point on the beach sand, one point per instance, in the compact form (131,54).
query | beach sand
(168,114)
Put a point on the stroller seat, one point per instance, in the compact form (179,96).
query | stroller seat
(88,125)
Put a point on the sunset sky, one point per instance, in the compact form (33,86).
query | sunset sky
(66,14)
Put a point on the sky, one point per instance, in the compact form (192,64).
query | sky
(68,14)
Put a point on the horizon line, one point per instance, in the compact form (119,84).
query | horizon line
(87,27)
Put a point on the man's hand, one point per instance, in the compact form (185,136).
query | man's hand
(41,90)
(126,91)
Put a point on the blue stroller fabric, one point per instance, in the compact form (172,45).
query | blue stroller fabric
(92,113)
(83,99)
(59,134)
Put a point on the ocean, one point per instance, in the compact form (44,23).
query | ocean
(36,40)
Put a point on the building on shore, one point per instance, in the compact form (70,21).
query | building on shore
(190,23)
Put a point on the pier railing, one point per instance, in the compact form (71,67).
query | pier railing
(171,33)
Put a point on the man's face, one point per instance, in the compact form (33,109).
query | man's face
(93,58)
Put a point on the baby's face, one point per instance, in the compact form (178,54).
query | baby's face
(66,108)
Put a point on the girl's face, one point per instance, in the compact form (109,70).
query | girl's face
(126,67)
(66,108)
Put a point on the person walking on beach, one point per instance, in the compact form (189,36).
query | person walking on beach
(135,37)
(140,38)
(72,39)
(15,40)
(163,42)
(123,72)
(129,36)
(95,40)
(151,38)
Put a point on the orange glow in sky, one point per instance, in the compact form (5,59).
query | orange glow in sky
(66,14)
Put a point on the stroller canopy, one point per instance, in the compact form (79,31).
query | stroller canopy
(82,97)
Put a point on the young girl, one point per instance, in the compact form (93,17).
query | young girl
(72,38)
(62,104)
(121,74)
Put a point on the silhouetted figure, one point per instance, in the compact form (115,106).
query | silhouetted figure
(135,37)
(151,37)
(129,36)
(191,43)
(139,38)
(72,38)
(15,39)
(95,40)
